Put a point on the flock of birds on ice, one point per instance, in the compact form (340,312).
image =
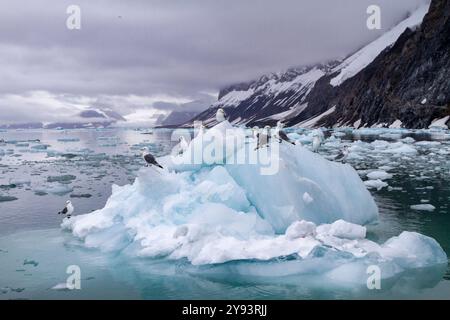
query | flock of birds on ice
(262,137)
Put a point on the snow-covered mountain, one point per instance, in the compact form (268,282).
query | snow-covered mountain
(87,118)
(357,91)
(407,84)
(273,97)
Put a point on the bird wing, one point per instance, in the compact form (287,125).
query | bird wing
(263,139)
(64,211)
(149,158)
(283,136)
(339,156)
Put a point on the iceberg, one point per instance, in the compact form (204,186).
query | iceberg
(53,188)
(379,174)
(423,207)
(307,216)
(375,184)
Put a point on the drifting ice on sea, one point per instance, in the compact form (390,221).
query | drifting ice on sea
(311,210)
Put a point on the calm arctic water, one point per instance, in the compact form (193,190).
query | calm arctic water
(38,176)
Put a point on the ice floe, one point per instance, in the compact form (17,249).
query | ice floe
(423,207)
(308,218)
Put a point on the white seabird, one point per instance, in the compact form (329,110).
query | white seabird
(220,115)
(316,143)
(183,145)
(263,138)
(149,158)
(343,155)
(68,209)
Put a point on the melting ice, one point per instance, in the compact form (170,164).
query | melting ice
(307,219)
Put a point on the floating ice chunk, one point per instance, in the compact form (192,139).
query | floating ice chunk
(54,188)
(7,198)
(68,139)
(63,178)
(5,290)
(307,198)
(343,229)
(391,135)
(22,144)
(40,147)
(428,143)
(19,182)
(30,262)
(375,184)
(232,219)
(423,207)
(413,250)
(333,186)
(408,140)
(60,287)
(81,195)
(379,175)
(401,148)
(301,229)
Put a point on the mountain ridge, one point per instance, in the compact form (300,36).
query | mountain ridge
(365,89)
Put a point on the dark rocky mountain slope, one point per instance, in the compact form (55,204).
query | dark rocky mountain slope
(404,76)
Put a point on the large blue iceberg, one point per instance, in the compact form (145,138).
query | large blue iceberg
(306,217)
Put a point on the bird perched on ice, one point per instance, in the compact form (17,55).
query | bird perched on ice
(149,158)
(316,143)
(343,155)
(199,129)
(68,209)
(263,138)
(183,145)
(281,135)
(220,115)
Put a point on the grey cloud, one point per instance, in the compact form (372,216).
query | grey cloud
(177,48)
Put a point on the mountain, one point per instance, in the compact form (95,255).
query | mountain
(88,118)
(186,111)
(107,114)
(29,125)
(176,118)
(400,78)
(271,98)
(409,81)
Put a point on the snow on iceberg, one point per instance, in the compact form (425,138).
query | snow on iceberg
(379,174)
(278,194)
(216,213)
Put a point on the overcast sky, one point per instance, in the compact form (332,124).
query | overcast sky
(153,56)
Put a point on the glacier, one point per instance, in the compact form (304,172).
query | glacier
(307,218)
